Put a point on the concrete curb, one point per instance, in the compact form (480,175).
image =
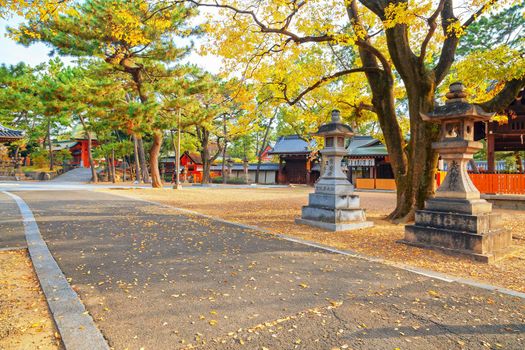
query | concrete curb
(350,253)
(10,249)
(76,327)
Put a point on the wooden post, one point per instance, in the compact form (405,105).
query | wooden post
(308,170)
(374,170)
(280,173)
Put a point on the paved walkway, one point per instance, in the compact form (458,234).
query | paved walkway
(81,175)
(155,278)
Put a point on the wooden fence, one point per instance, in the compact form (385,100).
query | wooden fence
(494,183)
(499,183)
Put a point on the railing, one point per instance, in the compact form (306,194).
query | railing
(499,183)
(485,183)
(375,184)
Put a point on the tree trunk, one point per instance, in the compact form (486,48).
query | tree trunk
(263,146)
(113,171)
(223,167)
(156,180)
(473,165)
(203,136)
(49,145)
(138,176)
(205,156)
(519,162)
(142,157)
(422,159)
(108,169)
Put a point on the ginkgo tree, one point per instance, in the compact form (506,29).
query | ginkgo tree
(396,45)
(41,10)
(132,36)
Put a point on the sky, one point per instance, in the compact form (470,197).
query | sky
(12,53)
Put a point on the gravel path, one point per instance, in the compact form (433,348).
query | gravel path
(154,278)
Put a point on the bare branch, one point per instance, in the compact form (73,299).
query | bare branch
(323,80)
(432,24)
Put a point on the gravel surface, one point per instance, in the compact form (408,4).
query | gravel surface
(25,321)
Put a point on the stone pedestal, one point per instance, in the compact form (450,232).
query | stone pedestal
(457,220)
(334,206)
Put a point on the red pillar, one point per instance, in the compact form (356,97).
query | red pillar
(84,154)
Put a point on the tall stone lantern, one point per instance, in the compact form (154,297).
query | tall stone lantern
(456,219)
(334,206)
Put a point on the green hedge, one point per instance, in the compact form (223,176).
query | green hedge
(231,180)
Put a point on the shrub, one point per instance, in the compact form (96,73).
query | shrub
(231,180)
(39,158)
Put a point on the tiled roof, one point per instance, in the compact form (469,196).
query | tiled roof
(292,144)
(366,146)
(7,134)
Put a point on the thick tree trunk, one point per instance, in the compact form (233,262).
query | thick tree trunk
(205,155)
(156,180)
(422,159)
(142,157)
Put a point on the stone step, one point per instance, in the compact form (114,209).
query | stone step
(333,215)
(460,241)
(328,201)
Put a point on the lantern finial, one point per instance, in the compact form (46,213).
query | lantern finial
(456,93)
(336,116)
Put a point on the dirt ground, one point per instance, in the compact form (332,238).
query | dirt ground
(275,210)
(25,321)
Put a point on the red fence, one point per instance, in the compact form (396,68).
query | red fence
(493,183)
(499,183)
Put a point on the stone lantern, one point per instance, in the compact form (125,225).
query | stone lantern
(456,219)
(333,205)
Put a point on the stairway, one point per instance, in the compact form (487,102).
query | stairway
(78,175)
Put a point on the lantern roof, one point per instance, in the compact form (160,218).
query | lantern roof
(456,107)
(335,127)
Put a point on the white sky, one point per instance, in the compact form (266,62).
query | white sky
(12,53)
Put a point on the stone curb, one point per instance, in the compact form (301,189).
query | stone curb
(76,327)
(10,249)
(350,253)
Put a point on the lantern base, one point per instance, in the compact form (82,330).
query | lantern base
(335,227)
(334,213)
(479,236)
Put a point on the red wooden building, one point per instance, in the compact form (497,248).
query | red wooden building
(295,160)
(504,137)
